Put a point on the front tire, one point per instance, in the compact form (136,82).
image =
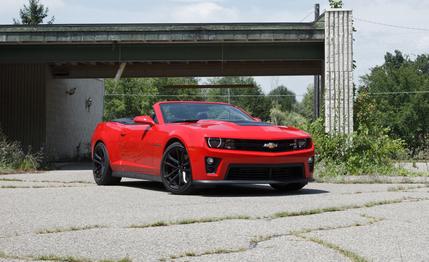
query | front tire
(102,170)
(288,187)
(176,173)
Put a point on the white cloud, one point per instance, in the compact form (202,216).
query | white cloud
(204,11)
(53,3)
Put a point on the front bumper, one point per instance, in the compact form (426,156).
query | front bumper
(247,182)
(248,159)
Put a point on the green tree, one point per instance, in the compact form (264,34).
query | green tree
(305,107)
(279,117)
(135,96)
(253,100)
(284,97)
(168,91)
(336,3)
(394,95)
(33,14)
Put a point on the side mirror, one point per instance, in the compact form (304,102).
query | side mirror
(257,119)
(144,120)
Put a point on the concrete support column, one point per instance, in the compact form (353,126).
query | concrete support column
(73,109)
(338,71)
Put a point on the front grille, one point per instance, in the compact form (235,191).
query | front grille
(261,145)
(266,172)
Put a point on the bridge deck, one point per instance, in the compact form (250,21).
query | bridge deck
(132,33)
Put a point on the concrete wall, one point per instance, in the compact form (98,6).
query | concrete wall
(338,71)
(69,120)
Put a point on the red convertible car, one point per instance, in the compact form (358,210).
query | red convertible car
(186,144)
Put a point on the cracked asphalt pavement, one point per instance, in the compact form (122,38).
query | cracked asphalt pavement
(63,214)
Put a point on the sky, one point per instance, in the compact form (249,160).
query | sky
(372,41)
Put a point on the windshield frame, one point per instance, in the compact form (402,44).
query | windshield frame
(235,108)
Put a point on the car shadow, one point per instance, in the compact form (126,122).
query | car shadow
(226,190)
(252,191)
(72,166)
(148,185)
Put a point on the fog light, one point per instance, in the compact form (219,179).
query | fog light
(210,161)
(311,163)
(212,164)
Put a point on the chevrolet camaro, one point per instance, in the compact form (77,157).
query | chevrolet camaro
(190,144)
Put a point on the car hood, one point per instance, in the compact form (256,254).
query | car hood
(245,130)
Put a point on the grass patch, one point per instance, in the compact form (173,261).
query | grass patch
(276,215)
(14,187)
(347,253)
(369,179)
(60,258)
(61,182)
(404,188)
(206,253)
(190,221)
(336,209)
(13,158)
(68,229)
(126,259)
(211,219)
(371,220)
(3,255)
(258,239)
(11,180)
(156,224)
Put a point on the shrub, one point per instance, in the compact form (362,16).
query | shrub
(279,117)
(368,150)
(13,158)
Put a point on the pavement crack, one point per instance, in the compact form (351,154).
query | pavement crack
(278,214)
(68,229)
(190,221)
(347,253)
(256,240)
(3,255)
(2,179)
(218,251)
(37,187)
(259,239)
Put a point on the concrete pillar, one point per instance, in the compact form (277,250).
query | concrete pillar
(338,71)
(73,109)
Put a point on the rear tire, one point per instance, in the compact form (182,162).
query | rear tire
(288,187)
(176,173)
(102,170)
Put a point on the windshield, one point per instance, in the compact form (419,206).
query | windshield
(183,112)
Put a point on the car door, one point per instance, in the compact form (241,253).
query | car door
(135,149)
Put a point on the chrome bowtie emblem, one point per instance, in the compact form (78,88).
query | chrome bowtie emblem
(271,145)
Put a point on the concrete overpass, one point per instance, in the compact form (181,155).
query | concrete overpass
(36,61)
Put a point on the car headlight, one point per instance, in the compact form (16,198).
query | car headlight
(303,143)
(221,143)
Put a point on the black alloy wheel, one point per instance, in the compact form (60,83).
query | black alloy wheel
(176,173)
(101,170)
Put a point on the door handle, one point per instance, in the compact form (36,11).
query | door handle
(123,134)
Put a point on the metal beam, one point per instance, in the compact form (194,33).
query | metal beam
(211,86)
(161,52)
(201,69)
